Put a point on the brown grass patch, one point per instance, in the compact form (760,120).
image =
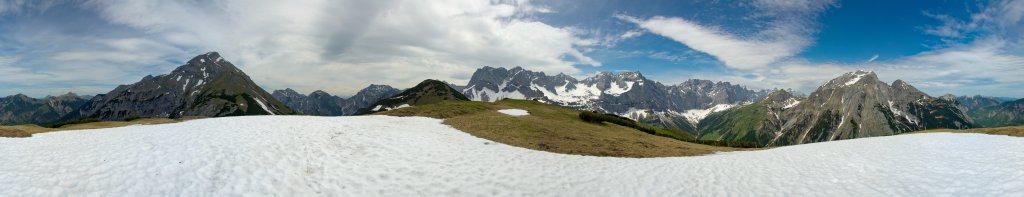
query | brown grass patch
(28,130)
(554,129)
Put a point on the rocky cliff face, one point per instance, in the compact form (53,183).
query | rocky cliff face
(318,103)
(21,109)
(629,94)
(853,105)
(207,85)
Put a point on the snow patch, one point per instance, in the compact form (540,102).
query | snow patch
(636,114)
(790,103)
(496,95)
(514,112)
(417,156)
(402,106)
(184,86)
(856,78)
(615,90)
(258,101)
(696,115)
(564,95)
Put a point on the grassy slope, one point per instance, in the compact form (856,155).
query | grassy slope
(740,124)
(27,130)
(554,129)
(227,92)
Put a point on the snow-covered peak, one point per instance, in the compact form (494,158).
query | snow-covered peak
(857,76)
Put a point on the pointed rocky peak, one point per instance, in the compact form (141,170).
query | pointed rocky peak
(212,56)
(516,69)
(781,99)
(854,78)
(899,84)
(376,88)
(319,94)
(697,84)
(68,96)
(903,89)
(779,95)
(20,97)
(286,92)
(205,66)
(288,96)
(948,97)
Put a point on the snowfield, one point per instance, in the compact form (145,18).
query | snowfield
(514,112)
(412,156)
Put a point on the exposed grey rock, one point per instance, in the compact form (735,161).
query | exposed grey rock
(318,103)
(628,94)
(853,105)
(207,86)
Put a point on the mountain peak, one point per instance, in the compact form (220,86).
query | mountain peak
(319,93)
(20,96)
(67,95)
(853,78)
(375,87)
(207,57)
(286,92)
(427,92)
(899,83)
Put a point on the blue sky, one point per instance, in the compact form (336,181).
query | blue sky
(90,47)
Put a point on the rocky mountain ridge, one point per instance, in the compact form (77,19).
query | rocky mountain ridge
(207,85)
(427,92)
(853,105)
(628,94)
(320,103)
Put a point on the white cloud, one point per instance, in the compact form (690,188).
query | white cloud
(873,58)
(340,46)
(733,51)
(789,31)
(631,34)
(1002,18)
(22,6)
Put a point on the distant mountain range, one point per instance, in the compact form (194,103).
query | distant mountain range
(991,111)
(628,94)
(21,109)
(855,104)
(320,103)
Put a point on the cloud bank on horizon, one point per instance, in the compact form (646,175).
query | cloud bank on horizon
(90,46)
